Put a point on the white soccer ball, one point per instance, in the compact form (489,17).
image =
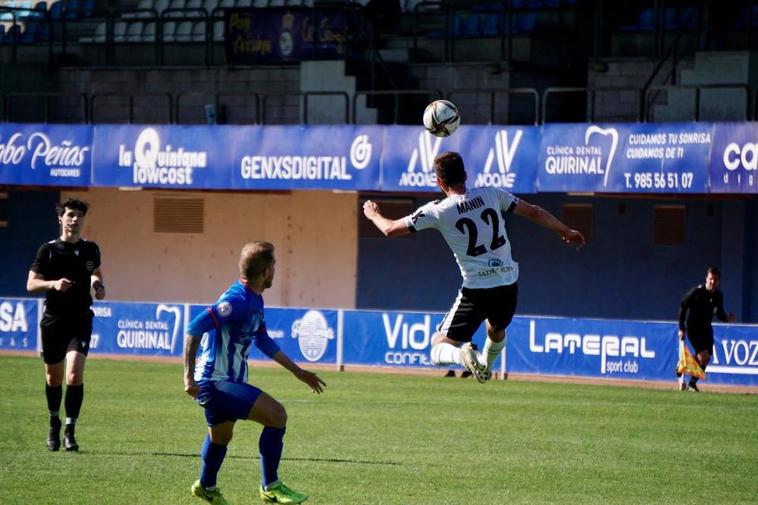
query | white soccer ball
(441,118)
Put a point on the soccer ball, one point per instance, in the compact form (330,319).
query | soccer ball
(441,118)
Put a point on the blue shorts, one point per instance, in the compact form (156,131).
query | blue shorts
(226,401)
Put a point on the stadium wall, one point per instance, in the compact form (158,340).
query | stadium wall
(620,273)
(323,262)
(314,232)
(29,220)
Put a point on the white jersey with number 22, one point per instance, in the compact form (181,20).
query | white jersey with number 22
(473,226)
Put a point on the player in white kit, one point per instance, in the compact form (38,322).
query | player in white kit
(471,221)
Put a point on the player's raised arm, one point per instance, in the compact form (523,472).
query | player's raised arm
(542,217)
(389,227)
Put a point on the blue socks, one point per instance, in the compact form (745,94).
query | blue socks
(212,456)
(270,446)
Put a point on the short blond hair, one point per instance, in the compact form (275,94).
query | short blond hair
(255,258)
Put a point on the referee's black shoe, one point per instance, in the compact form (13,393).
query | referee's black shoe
(69,441)
(54,435)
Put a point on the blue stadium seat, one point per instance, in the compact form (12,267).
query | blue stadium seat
(645,22)
(169,29)
(14,32)
(490,25)
(56,10)
(525,22)
(71,9)
(183,31)
(134,32)
(87,8)
(198,31)
(148,33)
(218,31)
(100,33)
(161,5)
(466,25)
(29,34)
(40,7)
(119,32)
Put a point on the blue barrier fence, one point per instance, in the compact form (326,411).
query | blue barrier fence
(607,158)
(592,348)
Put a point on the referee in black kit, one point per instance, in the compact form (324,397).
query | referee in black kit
(66,269)
(696,312)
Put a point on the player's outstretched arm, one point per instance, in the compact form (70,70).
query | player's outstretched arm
(312,380)
(540,216)
(387,226)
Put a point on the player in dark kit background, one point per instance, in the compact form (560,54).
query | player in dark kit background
(66,269)
(696,312)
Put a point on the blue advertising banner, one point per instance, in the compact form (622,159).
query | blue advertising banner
(45,155)
(633,350)
(735,355)
(302,334)
(665,158)
(611,349)
(502,157)
(733,166)
(306,157)
(176,157)
(281,34)
(639,158)
(394,339)
(19,324)
(142,329)
(592,348)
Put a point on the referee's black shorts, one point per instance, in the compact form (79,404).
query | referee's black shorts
(58,331)
(472,306)
(701,339)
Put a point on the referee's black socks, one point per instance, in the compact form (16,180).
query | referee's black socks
(74,398)
(53,395)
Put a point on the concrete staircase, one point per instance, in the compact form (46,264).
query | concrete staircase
(330,76)
(735,71)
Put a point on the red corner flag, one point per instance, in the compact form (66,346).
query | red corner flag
(687,363)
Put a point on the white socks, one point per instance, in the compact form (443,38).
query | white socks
(491,351)
(446,354)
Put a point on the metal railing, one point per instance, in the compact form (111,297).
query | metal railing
(8,101)
(697,90)
(493,93)
(396,94)
(218,103)
(590,96)
(130,107)
(304,95)
(541,109)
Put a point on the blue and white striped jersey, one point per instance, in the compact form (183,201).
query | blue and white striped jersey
(228,328)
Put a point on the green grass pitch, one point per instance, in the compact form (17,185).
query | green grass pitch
(385,439)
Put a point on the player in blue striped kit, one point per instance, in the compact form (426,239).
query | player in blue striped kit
(215,374)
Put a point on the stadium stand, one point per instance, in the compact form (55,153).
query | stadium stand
(517,37)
